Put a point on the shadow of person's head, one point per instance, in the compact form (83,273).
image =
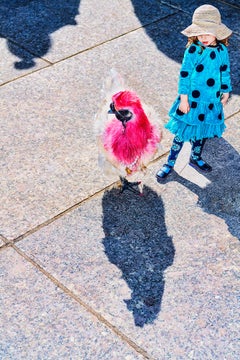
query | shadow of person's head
(27,25)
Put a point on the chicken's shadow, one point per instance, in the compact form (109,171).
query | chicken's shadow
(136,241)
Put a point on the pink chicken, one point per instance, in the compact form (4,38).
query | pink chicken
(129,140)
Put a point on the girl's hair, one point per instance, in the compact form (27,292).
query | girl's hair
(194,40)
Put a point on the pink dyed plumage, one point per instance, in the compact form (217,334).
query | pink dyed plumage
(130,144)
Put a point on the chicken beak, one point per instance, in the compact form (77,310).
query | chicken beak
(112,109)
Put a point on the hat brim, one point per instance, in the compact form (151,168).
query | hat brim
(220,31)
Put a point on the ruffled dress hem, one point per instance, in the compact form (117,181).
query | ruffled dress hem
(187,132)
(204,120)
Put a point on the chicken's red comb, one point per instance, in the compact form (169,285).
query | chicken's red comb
(125,98)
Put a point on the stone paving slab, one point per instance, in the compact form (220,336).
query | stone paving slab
(189,309)
(57,29)
(49,117)
(117,266)
(154,277)
(218,192)
(8,61)
(40,321)
(159,274)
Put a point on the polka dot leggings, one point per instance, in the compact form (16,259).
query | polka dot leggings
(196,151)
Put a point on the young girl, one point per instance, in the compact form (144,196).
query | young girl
(204,87)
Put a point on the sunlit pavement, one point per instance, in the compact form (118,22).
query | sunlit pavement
(86,272)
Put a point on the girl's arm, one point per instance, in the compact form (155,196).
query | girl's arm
(188,63)
(225,77)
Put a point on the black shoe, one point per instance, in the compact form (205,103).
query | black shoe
(164,171)
(200,165)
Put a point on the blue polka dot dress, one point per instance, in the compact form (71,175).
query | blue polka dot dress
(204,76)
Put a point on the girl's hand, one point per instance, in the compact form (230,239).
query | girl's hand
(184,104)
(224,98)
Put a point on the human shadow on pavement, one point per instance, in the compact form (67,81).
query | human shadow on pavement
(222,196)
(163,22)
(27,25)
(136,241)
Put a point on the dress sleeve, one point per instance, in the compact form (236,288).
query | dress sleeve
(189,60)
(225,73)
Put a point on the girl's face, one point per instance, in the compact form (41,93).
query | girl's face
(207,39)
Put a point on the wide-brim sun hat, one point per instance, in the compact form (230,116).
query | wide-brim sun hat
(207,20)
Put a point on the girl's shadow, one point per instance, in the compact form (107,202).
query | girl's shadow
(222,196)
(136,241)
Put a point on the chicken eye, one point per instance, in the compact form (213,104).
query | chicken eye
(123,115)
(126,114)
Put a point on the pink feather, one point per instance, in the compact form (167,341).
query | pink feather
(135,144)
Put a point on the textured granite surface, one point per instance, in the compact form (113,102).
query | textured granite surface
(86,272)
(148,263)
(40,321)
(8,58)
(57,29)
(49,117)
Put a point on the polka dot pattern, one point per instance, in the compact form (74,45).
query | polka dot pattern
(223,67)
(224,87)
(212,55)
(199,68)
(210,82)
(184,74)
(200,78)
(196,94)
(179,112)
(193,104)
(192,49)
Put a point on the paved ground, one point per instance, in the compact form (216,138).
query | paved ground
(86,273)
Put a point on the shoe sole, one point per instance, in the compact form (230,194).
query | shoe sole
(160,178)
(198,168)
